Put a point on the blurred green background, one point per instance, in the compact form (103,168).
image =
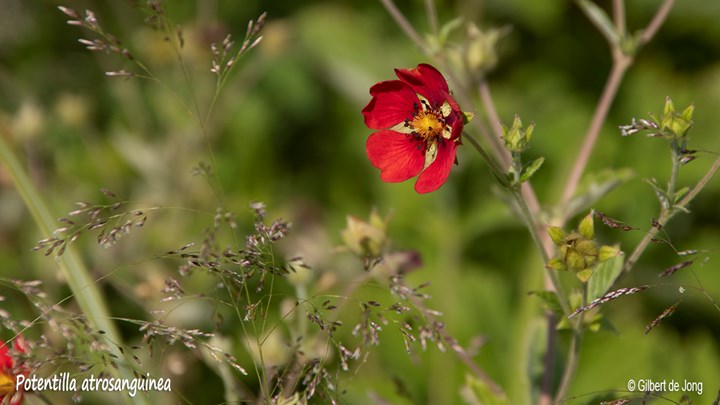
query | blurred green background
(287,130)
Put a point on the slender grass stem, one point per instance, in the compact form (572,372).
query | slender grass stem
(84,288)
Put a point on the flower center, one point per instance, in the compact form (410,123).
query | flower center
(428,125)
(7,384)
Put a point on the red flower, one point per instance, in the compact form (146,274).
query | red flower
(419,127)
(8,372)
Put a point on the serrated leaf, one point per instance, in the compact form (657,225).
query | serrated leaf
(600,19)
(550,300)
(604,276)
(530,169)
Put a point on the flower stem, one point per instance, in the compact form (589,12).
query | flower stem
(83,287)
(675,156)
(527,217)
(496,170)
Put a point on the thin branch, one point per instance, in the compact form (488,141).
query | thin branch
(404,23)
(701,184)
(431,11)
(620,65)
(621,62)
(619,17)
(494,122)
(657,21)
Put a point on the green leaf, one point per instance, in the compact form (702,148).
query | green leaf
(448,29)
(600,323)
(601,20)
(477,392)
(595,186)
(659,193)
(530,169)
(680,194)
(550,299)
(604,276)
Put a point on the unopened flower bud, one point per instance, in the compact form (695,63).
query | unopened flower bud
(677,123)
(365,238)
(516,137)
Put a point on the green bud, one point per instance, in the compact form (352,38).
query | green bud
(669,107)
(588,249)
(586,227)
(676,123)
(575,261)
(557,235)
(580,254)
(365,238)
(480,53)
(516,138)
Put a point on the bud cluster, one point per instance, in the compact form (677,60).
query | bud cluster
(578,251)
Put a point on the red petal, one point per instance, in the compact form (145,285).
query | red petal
(395,154)
(427,81)
(392,103)
(435,175)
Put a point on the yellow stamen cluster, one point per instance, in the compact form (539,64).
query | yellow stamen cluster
(427,125)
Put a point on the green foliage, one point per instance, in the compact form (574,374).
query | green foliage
(287,130)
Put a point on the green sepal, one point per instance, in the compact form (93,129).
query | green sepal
(530,169)
(556,264)
(557,235)
(607,252)
(586,227)
(584,275)
(467,116)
